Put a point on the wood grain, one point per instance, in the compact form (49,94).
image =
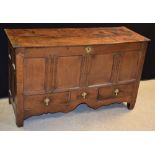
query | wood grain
(71,36)
(54,72)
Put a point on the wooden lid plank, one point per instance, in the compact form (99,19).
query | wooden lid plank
(71,36)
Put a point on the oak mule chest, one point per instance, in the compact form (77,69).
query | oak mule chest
(55,70)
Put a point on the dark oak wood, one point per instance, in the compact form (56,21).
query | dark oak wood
(55,70)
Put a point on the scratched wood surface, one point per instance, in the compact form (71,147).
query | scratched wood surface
(71,36)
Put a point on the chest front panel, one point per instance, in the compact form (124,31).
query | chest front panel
(64,69)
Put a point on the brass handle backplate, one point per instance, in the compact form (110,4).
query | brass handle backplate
(46,101)
(84,94)
(88,50)
(117,92)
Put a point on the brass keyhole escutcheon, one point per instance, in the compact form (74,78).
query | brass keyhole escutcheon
(117,92)
(84,94)
(88,50)
(46,101)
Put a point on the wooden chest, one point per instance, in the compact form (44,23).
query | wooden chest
(55,70)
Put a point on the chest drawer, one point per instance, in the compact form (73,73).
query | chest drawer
(40,104)
(116,91)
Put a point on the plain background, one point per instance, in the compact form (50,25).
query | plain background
(147,30)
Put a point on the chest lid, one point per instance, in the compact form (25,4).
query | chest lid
(71,36)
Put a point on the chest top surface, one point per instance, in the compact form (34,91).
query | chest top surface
(71,36)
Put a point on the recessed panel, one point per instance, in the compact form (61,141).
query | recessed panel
(68,72)
(129,66)
(34,74)
(100,69)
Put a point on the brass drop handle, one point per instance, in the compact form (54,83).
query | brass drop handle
(88,50)
(117,92)
(46,101)
(9,56)
(14,66)
(10,93)
(84,94)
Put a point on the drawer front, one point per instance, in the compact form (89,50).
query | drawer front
(40,104)
(124,90)
(117,91)
(84,95)
(105,93)
(67,101)
(57,102)
(34,105)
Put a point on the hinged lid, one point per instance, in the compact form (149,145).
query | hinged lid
(71,36)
